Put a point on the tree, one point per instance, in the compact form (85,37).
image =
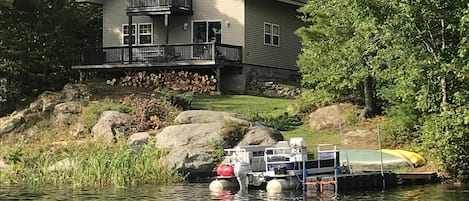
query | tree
(415,52)
(40,40)
(340,48)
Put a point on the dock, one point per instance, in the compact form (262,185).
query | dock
(412,178)
(348,182)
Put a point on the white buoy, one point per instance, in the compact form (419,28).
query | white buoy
(278,185)
(274,186)
(216,186)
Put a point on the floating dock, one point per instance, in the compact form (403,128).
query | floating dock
(348,182)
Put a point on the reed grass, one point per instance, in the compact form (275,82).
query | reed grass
(95,164)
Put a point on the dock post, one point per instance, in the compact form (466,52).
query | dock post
(381,156)
(305,174)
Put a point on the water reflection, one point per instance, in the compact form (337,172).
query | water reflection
(189,192)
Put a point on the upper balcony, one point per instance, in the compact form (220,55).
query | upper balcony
(159,7)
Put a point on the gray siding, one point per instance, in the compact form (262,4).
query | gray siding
(256,53)
(230,12)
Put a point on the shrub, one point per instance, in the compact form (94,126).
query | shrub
(283,122)
(309,100)
(403,125)
(445,140)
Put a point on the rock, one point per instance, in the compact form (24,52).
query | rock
(63,165)
(64,111)
(271,89)
(137,140)
(78,130)
(261,135)
(45,102)
(190,146)
(75,92)
(10,123)
(206,116)
(107,124)
(57,145)
(3,165)
(329,117)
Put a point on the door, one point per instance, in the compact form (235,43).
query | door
(203,32)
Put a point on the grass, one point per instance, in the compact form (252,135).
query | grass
(248,106)
(95,163)
(243,104)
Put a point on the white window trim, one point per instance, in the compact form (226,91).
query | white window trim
(151,33)
(271,34)
(137,34)
(130,29)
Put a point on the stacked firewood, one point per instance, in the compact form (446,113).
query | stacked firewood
(174,80)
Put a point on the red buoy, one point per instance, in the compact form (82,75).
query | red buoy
(225,170)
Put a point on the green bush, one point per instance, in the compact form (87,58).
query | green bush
(402,128)
(445,140)
(310,100)
(284,122)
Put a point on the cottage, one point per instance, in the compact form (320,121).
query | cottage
(238,39)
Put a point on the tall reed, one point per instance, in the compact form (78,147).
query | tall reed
(92,164)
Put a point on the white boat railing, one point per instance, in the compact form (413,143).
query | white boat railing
(236,155)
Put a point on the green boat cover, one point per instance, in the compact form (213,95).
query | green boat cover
(370,160)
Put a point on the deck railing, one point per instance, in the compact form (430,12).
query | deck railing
(163,53)
(181,4)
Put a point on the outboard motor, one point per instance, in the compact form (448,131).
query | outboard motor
(241,170)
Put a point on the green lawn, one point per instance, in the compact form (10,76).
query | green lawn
(250,105)
(243,104)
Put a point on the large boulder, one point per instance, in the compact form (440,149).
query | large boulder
(64,111)
(193,141)
(190,146)
(137,140)
(261,135)
(108,124)
(73,92)
(206,116)
(331,116)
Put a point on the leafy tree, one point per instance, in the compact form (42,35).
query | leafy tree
(340,48)
(416,54)
(40,40)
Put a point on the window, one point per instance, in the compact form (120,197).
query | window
(271,34)
(144,35)
(125,34)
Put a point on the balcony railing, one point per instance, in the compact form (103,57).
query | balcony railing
(178,4)
(163,54)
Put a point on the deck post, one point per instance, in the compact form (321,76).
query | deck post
(130,38)
(218,81)
(166,23)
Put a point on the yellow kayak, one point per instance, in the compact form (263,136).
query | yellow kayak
(414,158)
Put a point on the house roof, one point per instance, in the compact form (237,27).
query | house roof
(295,2)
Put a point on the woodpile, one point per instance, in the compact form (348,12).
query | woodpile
(174,80)
(269,88)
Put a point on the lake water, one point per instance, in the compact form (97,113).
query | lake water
(189,192)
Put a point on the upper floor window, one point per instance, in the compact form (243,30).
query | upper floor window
(271,34)
(144,35)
